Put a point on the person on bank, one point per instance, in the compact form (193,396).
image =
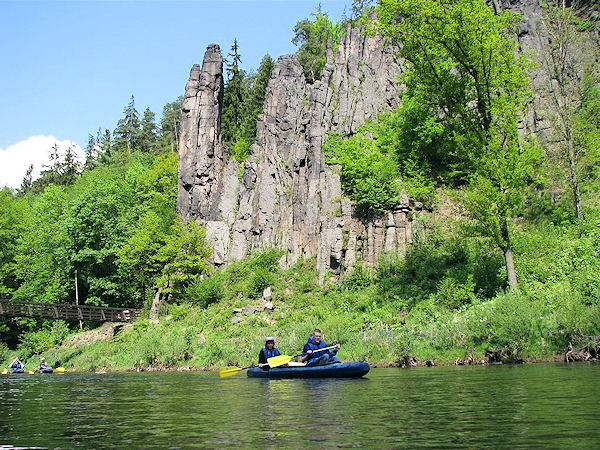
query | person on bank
(267,352)
(315,342)
(16,365)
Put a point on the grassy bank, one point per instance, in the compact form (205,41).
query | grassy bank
(444,302)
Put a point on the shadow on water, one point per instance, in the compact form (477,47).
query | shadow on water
(500,406)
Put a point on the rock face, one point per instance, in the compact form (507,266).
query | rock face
(287,197)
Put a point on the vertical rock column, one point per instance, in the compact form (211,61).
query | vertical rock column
(208,184)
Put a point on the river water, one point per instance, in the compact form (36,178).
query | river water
(537,405)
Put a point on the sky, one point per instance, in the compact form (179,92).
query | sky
(68,68)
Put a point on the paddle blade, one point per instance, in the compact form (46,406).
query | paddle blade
(4,372)
(30,372)
(279,360)
(60,370)
(229,371)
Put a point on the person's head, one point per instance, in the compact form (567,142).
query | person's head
(269,342)
(43,359)
(317,335)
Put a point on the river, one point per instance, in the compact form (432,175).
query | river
(535,405)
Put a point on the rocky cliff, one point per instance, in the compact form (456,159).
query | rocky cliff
(285,196)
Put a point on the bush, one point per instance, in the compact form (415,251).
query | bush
(205,291)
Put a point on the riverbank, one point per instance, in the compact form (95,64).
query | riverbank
(444,302)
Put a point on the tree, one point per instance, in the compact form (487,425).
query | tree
(256,86)
(128,131)
(234,94)
(91,153)
(183,258)
(148,132)
(62,171)
(462,62)
(13,215)
(563,70)
(99,219)
(313,36)
(170,125)
(42,263)
(27,182)
(137,259)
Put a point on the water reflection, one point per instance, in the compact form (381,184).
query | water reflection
(533,405)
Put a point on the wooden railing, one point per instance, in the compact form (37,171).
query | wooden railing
(20,308)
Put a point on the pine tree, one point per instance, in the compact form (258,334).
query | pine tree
(148,132)
(233,99)
(128,132)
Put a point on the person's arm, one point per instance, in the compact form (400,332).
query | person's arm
(306,353)
(262,359)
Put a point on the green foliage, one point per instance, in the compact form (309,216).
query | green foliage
(12,223)
(451,271)
(243,100)
(207,290)
(42,263)
(368,174)
(463,65)
(313,37)
(183,257)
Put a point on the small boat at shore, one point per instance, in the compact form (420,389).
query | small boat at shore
(354,369)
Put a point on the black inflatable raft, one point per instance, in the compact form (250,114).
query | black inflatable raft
(336,370)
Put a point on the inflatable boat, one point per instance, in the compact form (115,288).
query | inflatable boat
(335,370)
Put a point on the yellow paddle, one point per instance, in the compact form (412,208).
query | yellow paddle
(5,371)
(230,370)
(60,370)
(284,359)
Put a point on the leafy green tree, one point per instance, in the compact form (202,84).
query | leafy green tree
(170,125)
(43,265)
(137,259)
(13,215)
(586,132)
(99,220)
(368,175)
(183,257)
(563,64)
(312,36)
(462,61)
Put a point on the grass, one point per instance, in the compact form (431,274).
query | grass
(444,302)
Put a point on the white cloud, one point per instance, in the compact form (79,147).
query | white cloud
(16,159)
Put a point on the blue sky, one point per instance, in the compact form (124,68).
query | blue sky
(68,68)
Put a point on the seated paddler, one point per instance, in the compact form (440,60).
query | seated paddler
(268,351)
(16,365)
(44,366)
(311,354)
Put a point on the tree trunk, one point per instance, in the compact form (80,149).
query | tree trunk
(156,304)
(574,183)
(508,258)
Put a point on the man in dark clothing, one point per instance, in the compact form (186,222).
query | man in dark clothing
(267,352)
(315,342)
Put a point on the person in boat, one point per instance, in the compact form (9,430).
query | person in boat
(267,352)
(315,342)
(16,365)
(44,365)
